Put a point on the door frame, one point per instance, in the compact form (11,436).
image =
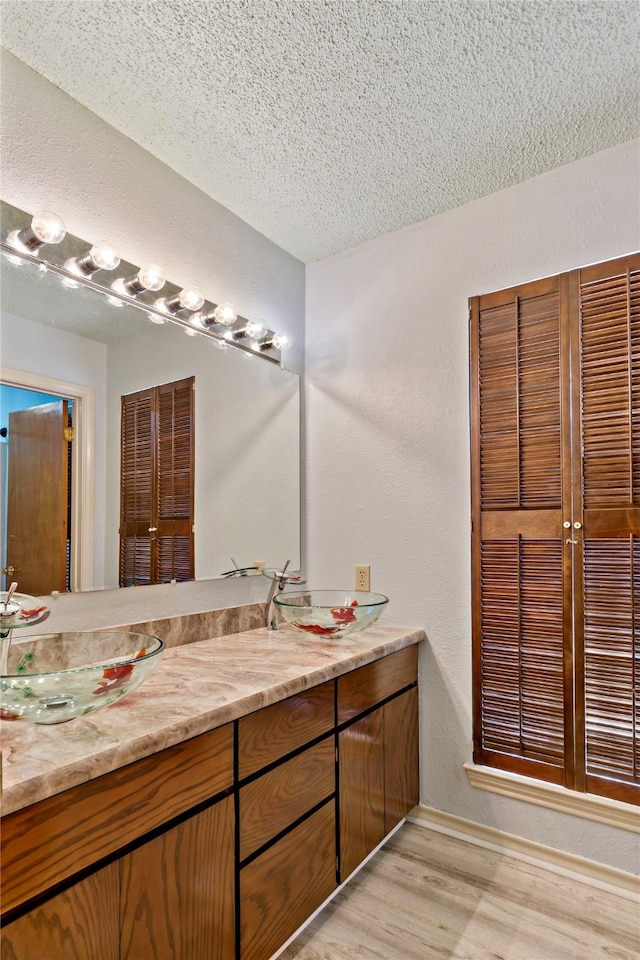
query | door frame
(82,466)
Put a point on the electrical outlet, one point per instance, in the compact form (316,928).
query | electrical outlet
(363,576)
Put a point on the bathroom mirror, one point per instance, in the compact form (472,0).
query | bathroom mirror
(247,422)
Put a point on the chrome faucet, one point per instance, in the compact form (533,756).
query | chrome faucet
(279,580)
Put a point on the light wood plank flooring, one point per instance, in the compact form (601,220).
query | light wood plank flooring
(426,896)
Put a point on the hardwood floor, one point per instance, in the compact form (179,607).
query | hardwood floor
(426,896)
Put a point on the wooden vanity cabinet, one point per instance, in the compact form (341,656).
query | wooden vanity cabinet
(221,847)
(138,818)
(286,817)
(378,753)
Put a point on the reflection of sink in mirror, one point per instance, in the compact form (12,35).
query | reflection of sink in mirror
(246,424)
(58,677)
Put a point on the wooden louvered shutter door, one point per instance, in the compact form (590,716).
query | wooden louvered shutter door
(137,487)
(607,486)
(175,481)
(157,485)
(521,577)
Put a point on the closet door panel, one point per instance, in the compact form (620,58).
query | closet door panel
(520,568)
(608,607)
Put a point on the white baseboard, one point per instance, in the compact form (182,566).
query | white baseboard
(567,864)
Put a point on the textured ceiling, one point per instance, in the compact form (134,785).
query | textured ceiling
(325,123)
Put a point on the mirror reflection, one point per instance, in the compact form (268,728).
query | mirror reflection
(84,354)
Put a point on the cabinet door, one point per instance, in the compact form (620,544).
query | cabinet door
(178,891)
(80,924)
(282,887)
(362,807)
(401,766)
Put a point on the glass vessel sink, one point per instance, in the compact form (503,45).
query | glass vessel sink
(59,676)
(330,613)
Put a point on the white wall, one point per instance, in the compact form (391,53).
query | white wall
(49,352)
(388,439)
(59,156)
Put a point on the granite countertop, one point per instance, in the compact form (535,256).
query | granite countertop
(195,688)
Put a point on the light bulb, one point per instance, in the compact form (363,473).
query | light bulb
(147,278)
(48,227)
(155,319)
(104,256)
(277,341)
(101,256)
(191,333)
(226,314)
(252,328)
(45,227)
(151,277)
(190,298)
(255,329)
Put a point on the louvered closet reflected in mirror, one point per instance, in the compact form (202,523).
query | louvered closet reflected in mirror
(555,386)
(156,484)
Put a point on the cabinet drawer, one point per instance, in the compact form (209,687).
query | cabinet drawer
(285,884)
(275,731)
(363,688)
(278,798)
(54,839)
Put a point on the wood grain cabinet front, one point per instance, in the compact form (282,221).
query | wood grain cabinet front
(287,828)
(82,923)
(270,734)
(178,890)
(378,754)
(282,887)
(278,798)
(140,895)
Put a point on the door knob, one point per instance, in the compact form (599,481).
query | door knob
(152,529)
(572,541)
(10,570)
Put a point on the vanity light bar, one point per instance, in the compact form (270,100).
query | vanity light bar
(73,259)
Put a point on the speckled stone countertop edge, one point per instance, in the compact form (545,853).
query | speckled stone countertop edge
(195,688)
